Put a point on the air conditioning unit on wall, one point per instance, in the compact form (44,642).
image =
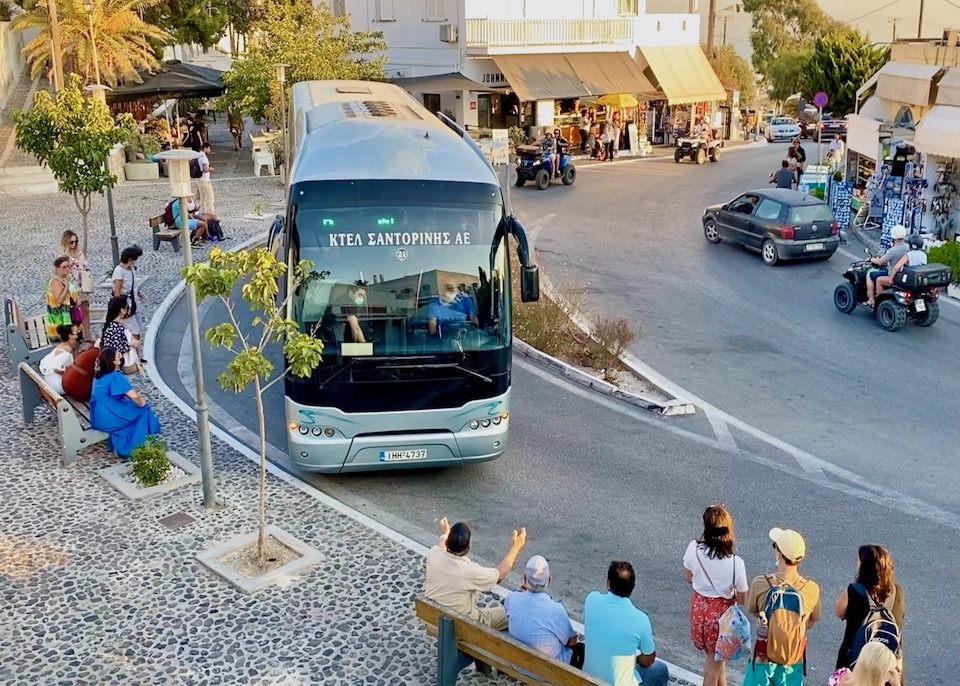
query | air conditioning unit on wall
(448,33)
(951,36)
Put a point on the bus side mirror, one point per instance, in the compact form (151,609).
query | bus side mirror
(529,284)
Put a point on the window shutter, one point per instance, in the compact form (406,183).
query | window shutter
(385,10)
(434,9)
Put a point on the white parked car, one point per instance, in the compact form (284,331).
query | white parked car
(781,128)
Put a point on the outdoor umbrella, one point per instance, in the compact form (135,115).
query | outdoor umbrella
(622,100)
(172,80)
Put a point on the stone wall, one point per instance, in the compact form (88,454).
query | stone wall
(11,60)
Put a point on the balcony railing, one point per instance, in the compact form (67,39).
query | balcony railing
(506,33)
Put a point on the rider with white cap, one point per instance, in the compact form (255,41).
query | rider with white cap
(887,261)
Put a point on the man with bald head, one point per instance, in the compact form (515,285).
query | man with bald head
(454,580)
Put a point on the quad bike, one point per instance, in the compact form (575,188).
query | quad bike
(698,149)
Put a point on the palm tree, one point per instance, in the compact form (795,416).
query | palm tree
(123,39)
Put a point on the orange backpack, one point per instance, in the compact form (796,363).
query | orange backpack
(786,623)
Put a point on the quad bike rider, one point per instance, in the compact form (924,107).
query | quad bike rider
(699,145)
(541,163)
(910,292)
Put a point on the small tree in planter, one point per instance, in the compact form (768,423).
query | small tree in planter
(73,135)
(260,272)
(150,463)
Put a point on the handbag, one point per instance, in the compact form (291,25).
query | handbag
(132,295)
(733,640)
(86,281)
(76,315)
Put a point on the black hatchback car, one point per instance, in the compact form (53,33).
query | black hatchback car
(780,224)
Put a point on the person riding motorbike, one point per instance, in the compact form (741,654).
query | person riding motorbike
(915,257)
(549,146)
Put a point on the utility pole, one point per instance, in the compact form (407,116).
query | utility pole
(711,27)
(920,19)
(725,18)
(57,56)
(693,7)
(894,22)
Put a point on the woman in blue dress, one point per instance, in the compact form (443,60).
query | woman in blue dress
(118,408)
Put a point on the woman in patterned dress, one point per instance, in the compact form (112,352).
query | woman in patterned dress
(70,246)
(115,335)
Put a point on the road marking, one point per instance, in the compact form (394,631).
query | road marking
(722,431)
(945,299)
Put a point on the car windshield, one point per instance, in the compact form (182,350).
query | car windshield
(404,280)
(782,122)
(805,214)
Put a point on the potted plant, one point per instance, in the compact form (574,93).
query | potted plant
(140,147)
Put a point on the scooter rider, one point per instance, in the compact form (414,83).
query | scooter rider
(549,146)
(887,261)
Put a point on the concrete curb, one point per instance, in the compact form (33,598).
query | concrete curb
(586,162)
(673,407)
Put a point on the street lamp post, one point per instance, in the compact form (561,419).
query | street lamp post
(178,169)
(282,79)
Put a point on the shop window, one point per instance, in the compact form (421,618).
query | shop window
(904,119)
(434,11)
(339,8)
(627,8)
(683,25)
(384,10)
(658,25)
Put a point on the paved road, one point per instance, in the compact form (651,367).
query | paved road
(594,480)
(763,344)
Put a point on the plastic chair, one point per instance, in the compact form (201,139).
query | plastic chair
(263,158)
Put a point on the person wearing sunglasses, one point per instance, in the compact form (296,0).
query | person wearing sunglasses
(80,274)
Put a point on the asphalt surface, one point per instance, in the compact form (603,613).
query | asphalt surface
(595,480)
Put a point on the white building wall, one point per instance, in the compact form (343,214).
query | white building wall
(11,60)
(549,9)
(411,29)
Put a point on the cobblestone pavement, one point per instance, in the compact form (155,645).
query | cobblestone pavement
(96,590)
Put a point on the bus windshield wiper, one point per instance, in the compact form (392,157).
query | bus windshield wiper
(338,373)
(442,365)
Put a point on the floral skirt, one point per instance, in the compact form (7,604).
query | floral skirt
(704,626)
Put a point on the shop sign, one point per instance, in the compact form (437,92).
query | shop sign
(493,79)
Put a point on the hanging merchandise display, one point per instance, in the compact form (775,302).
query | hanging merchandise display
(914,205)
(944,192)
(842,193)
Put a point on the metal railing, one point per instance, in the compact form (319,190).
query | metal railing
(485,33)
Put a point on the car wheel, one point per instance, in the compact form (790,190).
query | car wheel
(711,232)
(931,315)
(844,298)
(569,175)
(678,155)
(701,156)
(715,154)
(891,315)
(542,179)
(768,251)
(519,182)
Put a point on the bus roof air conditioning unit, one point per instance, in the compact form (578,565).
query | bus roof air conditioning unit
(448,33)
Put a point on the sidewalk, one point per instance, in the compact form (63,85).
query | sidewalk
(98,590)
(666,151)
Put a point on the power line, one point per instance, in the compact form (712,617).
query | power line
(879,9)
(950,2)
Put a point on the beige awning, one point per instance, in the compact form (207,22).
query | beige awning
(604,73)
(682,72)
(906,83)
(938,133)
(948,90)
(572,75)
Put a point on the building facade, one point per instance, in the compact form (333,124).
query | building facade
(501,63)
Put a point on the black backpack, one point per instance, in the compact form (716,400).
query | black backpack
(878,625)
(195,171)
(213,226)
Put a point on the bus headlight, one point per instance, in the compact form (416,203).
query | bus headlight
(484,423)
(497,420)
(328,433)
(303,430)
(474,425)
(316,431)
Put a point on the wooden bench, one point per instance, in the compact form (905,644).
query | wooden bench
(26,336)
(161,232)
(73,416)
(461,640)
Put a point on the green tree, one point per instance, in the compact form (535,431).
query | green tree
(785,76)
(734,72)
(201,22)
(260,272)
(73,135)
(838,65)
(124,41)
(784,25)
(315,43)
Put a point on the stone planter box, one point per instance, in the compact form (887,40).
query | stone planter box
(141,171)
(115,477)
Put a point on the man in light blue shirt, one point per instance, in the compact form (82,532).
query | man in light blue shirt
(538,620)
(616,631)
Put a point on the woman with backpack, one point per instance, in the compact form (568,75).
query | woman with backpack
(719,578)
(875,595)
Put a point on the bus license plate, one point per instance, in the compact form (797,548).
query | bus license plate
(920,305)
(814,246)
(401,455)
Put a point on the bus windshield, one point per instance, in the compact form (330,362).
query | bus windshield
(398,281)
